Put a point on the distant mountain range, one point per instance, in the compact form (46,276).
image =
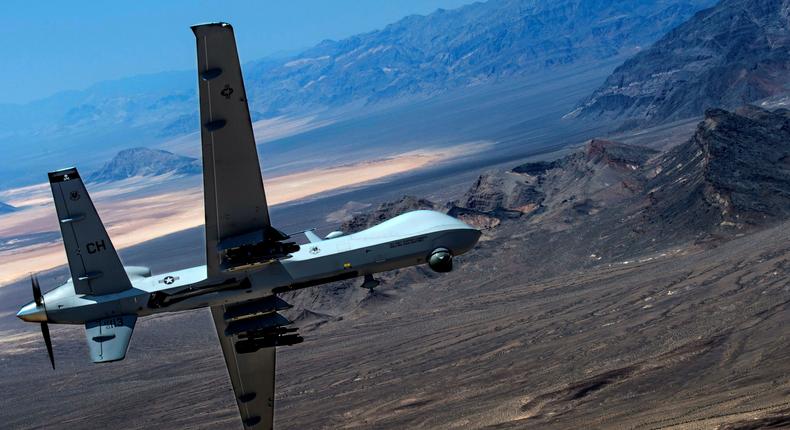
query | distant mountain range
(417,57)
(726,56)
(472,45)
(145,162)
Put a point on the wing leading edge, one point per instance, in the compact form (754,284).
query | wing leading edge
(239,234)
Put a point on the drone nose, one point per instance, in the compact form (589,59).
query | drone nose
(32,312)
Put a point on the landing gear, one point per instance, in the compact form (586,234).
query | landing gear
(370,282)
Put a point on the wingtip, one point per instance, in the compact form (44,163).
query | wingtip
(61,175)
(210,25)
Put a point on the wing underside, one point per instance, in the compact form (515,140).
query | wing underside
(249,332)
(235,201)
(252,377)
(239,234)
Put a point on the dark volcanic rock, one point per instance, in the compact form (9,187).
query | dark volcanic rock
(145,162)
(536,168)
(613,201)
(726,56)
(735,171)
(617,155)
(6,208)
(506,191)
(600,174)
(609,200)
(384,212)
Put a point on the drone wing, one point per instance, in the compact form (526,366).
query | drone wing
(239,234)
(252,377)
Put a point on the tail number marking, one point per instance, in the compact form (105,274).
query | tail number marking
(112,322)
(95,247)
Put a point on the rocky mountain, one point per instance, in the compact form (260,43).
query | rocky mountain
(611,200)
(6,208)
(471,45)
(733,174)
(145,162)
(608,200)
(734,53)
(558,194)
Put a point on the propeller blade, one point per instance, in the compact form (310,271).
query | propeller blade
(48,342)
(36,290)
(37,297)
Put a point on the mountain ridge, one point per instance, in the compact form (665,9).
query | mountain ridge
(145,162)
(605,203)
(470,45)
(732,54)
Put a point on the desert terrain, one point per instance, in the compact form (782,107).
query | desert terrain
(140,209)
(598,311)
(634,267)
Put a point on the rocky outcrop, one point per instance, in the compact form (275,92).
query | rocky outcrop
(581,183)
(145,162)
(606,203)
(503,192)
(733,173)
(726,56)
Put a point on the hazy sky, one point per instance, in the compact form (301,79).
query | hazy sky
(60,45)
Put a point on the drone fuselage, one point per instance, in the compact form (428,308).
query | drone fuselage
(403,241)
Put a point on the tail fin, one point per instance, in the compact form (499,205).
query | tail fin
(94,264)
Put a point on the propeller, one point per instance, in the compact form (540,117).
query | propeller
(39,300)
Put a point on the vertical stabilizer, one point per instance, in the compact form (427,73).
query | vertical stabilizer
(94,264)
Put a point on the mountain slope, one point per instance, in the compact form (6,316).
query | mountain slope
(614,201)
(726,56)
(734,173)
(145,162)
(478,43)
